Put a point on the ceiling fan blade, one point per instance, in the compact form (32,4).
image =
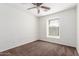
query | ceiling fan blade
(34,3)
(31,8)
(45,7)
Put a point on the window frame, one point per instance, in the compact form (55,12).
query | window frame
(47,28)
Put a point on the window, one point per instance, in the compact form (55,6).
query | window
(53,28)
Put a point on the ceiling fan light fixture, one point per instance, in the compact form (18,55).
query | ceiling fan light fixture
(38,6)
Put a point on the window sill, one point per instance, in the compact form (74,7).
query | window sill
(57,37)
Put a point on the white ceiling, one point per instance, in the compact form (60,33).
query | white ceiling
(55,7)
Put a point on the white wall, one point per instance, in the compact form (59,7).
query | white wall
(16,27)
(78,28)
(67,27)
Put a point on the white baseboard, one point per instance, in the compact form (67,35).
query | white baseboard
(57,42)
(77,50)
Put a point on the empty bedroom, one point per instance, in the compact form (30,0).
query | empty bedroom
(39,29)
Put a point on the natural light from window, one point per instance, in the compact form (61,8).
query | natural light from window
(53,28)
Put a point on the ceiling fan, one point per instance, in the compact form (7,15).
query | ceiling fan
(38,6)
